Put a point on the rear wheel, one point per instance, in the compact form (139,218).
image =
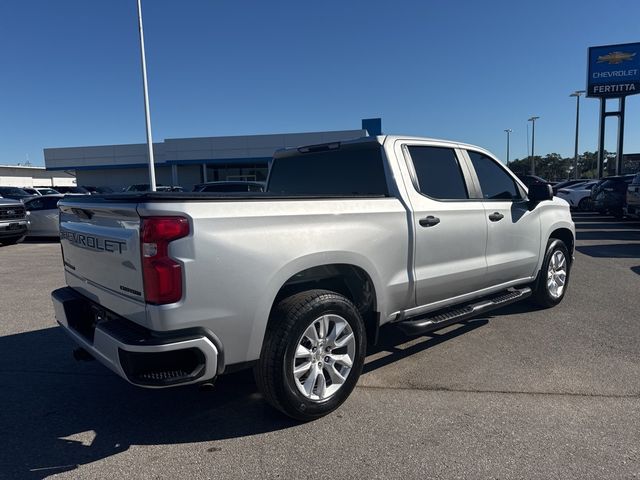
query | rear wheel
(551,284)
(312,355)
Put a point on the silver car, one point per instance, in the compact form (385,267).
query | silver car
(42,216)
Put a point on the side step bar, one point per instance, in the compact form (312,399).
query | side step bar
(444,318)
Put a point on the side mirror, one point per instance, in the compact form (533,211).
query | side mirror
(539,192)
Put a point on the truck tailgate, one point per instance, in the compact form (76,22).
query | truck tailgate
(101,254)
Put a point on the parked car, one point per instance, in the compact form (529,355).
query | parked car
(70,190)
(348,237)
(230,186)
(633,197)
(611,195)
(13,221)
(568,183)
(42,216)
(14,193)
(578,195)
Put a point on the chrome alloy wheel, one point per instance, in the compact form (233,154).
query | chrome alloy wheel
(323,358)
(557,274)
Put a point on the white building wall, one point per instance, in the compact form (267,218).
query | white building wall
(19,176)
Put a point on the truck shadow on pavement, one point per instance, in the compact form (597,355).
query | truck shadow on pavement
(398,346)
(57,414)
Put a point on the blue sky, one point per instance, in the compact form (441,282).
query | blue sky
(462,70)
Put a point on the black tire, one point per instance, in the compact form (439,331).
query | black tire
(541,294)
(274,371)
(584,205)
(11,240)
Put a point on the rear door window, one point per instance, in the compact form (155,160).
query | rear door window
(437,173)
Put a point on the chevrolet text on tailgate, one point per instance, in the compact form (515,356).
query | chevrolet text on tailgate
(171,289)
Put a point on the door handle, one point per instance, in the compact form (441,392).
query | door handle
(429,221)
(496,217)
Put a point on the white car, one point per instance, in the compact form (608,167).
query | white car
(579,195)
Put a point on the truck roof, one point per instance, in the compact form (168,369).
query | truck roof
(379,139)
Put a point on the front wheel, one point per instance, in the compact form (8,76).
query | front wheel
(312,355)
(551,284)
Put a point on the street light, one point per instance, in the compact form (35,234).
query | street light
(576,94)
(508,131)
(533,143)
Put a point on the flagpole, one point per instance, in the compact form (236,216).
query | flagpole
(147,114)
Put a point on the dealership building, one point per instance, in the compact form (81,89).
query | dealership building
(188,161)
(30,176)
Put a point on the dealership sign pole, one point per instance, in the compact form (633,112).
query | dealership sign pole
(152,172)
(614,72)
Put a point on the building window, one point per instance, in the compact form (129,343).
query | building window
(251,172)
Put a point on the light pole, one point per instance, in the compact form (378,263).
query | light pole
(147,114)
(576,94)
(533,144)
(508,131)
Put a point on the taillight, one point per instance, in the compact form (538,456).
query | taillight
(162,274)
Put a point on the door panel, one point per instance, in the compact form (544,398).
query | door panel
(513,238)
(450,256)
(513,242)
(450,228)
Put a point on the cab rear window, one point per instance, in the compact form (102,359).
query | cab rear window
(330,170)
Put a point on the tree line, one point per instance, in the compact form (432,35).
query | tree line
(554,167)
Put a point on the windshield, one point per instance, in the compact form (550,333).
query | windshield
(48,191)
(18,192)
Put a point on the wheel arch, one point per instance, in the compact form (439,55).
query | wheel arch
(348,275)
(567,237)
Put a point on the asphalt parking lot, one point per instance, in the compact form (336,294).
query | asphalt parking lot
(521,393)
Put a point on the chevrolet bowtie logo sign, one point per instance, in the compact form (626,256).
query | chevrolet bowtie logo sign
(615,58)
(614,70)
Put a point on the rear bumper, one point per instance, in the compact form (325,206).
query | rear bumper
(140,356)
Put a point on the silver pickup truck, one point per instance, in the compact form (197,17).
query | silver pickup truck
(171,289)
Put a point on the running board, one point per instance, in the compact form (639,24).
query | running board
(444,318)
